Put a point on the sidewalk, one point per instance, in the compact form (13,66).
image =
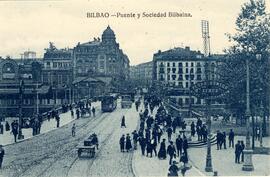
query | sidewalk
(65,118)
(223,160)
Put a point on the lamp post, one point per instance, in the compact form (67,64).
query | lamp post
(21,91)
(261,122)
(248,165)
(208,166)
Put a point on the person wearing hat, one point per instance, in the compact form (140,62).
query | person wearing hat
(128,143)
(162,150)
(173,169)
(171,151)
(2,153)
(122,143)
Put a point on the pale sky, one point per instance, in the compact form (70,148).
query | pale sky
(32,24)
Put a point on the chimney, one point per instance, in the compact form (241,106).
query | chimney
(187,48)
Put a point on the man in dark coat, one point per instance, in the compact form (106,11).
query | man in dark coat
(169,132)
(192,126)
(57,118)
(237,152)
(174,124)
(122,143)
(149,149)
(15,127)
(2,153)
(128,143)
(224,139)
(162,150)
(142,142)
(173,169)
(242,147)
(171,151)
(94,111)
(77,113)
(135,138)
(199,122)
(179,145)
(185,144)
(123,122)
(231,138)
(7,126)
(219,140)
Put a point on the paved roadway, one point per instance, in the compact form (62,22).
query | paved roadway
(54,153)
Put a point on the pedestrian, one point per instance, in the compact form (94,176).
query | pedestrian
(77,113)
(128,143)
(14,127)
(123,122)
(57,118)
(2,153)
(135,138)
(237,152)
(242,146)
(154,145)
(192,127)
(162,150)
(73,130)
(231,138)
(142,142)
(169,132)
(122,143)
(185,145)
(179,145)
(159,133)
(95,140)
(173,169)
(7,126)
(224,140)
(72,113)
(198,130)
(174,124)
(149,149)
(171,151)
(94,111)
(183,161)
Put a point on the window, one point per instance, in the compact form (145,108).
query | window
(180,101)
(48,64)
(180,70)
(168,77)
(192,64)
(186,84)
(191,77)
(168,70)
(199,101)
(180,84)
(199,70)
(168,64)
(186,64)
(192,100)
(55,64)
(180,65)
(186,70)
(180,77)
(60,65)
(192,70)
(199,77)
(187,77)
(186,100)
(173,77)
(173,70)
(173,64)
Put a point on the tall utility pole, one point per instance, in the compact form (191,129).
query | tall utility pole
(37,98)
(21,91)
(206,38)
(206,47)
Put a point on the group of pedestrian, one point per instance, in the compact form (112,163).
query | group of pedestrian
(125,143)
(239,151)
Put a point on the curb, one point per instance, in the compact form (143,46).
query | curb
(27,139)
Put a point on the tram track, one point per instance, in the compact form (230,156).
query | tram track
(25,164)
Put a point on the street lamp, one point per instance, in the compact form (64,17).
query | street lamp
(21,92)
(248,165)
(208,165)
(261,122)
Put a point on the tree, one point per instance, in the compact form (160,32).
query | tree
(252,37)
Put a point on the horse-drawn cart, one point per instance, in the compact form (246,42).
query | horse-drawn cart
(89,146)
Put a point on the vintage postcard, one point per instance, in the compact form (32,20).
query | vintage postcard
(134,88)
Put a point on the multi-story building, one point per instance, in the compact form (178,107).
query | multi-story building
(179,69)
(101,57)
(142,73)
(57,72)
(36,97)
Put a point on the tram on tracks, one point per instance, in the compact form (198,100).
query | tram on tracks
(109,103)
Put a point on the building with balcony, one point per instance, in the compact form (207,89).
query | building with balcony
(179,69)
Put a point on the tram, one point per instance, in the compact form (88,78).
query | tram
(109,103)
